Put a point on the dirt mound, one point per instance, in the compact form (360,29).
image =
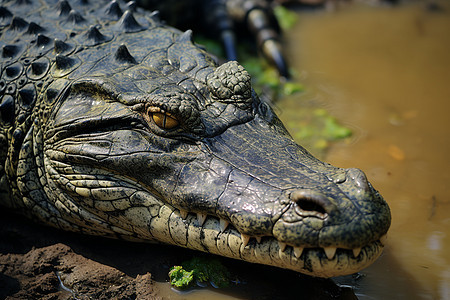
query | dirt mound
(37,262)
(34,275)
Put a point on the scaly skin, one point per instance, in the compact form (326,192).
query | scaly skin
(119,126)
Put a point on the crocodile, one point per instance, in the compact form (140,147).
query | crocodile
(116,125)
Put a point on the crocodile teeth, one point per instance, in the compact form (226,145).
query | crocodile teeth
(183,213)
(356,251)
(258,239)
(383,239)
(223,224)
(298,251)
(282,246)
(330,252)
(201,218)
(245,239)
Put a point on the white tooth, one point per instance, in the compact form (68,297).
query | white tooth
(330,252)
(282,246)
(245,238)
(183,213)
(257,253)
(356,251)
(383,239)
(258,239)
(223,224)
(298,251)
(201,218)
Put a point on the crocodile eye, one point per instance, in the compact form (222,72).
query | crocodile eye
(164,120)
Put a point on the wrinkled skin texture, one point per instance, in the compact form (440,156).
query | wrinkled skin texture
(127,129)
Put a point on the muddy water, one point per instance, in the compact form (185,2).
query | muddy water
(385,73)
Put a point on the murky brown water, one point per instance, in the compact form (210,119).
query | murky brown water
(385,72)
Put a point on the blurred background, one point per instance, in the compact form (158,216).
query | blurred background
(384,72)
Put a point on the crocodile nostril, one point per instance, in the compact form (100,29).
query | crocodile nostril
(311,204)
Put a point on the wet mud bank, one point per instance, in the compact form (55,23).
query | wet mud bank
(40,263)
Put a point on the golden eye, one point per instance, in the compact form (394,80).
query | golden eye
(164,120)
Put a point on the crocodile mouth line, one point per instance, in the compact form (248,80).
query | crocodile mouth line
(163,222)
(316,261)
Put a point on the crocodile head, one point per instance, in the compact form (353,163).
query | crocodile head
(205,164)
(137,134)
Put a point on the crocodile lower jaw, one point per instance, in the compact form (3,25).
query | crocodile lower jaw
(218,237)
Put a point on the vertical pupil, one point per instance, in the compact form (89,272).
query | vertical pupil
(164,121)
